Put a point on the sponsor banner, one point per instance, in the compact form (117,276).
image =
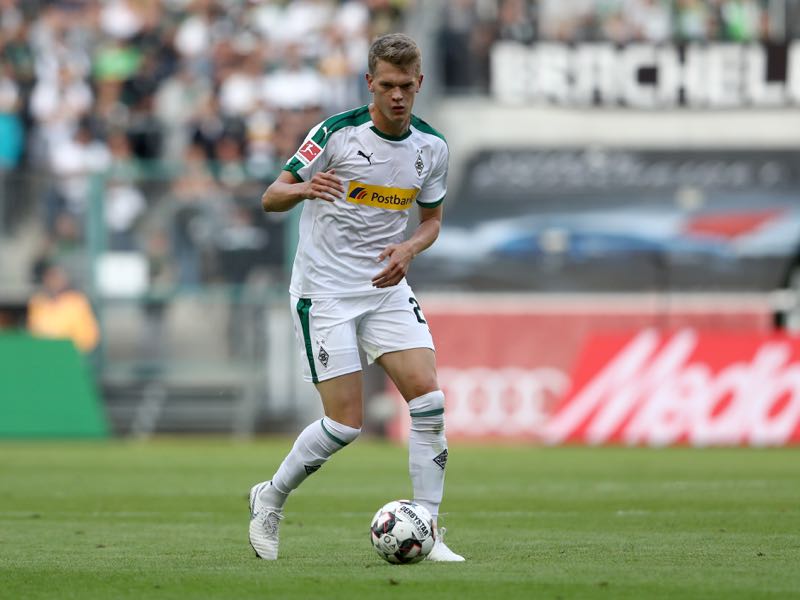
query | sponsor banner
(505,362)
(379,196)
(686,387)
(492,404)
(649,76)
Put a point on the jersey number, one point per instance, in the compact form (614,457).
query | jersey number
(417,310)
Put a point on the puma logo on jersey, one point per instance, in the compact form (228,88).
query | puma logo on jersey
(390,198)
(369,158)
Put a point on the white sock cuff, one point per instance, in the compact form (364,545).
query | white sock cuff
(428,405)
(338,432)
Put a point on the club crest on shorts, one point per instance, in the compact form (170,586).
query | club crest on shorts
(323,356)
(441,458)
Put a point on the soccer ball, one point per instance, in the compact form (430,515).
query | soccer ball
(402,532)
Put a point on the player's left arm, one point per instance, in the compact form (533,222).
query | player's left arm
(400,255)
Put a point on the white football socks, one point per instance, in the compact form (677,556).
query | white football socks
(315,445)
(427,450)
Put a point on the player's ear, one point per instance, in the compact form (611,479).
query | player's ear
(419,82)
(370,80)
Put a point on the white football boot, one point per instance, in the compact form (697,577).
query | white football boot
(440,552)
(264,523)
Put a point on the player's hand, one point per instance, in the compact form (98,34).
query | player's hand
(400,256)
(325,185)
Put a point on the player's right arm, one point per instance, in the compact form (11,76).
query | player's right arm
(286,191)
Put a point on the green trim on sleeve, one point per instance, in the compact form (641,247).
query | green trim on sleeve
(431,204)
(293,166)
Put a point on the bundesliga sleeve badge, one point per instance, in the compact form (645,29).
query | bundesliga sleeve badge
(308,152)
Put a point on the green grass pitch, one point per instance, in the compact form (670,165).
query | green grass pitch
(168,519)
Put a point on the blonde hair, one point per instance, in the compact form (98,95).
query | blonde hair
(397,49)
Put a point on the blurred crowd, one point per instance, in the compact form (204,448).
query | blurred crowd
(185,107)
(470,27)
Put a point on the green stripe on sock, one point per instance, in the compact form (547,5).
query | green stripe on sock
(330,435)
(428,413)
(303,308)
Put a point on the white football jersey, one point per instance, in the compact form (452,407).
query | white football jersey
(383,176)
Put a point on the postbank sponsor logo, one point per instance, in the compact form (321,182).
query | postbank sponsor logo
(391,198)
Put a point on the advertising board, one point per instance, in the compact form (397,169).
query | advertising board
(703,370)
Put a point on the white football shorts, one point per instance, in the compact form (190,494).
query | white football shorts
(330,330)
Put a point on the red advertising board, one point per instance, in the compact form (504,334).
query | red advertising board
(510,367)
(685,387)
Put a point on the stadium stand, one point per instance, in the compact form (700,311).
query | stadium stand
(136,136)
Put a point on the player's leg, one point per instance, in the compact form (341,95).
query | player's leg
(414,373)
(343,407)
(342,402)
(397,337)
(328,346)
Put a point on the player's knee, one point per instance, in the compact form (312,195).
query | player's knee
(427,412)
(347,412)
(419,385)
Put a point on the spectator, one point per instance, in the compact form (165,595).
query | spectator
(240,90)
(194,197)
(57,105)
(152,341)
(792,25)
(517,21)
(74,162)
(741,20)
(125,202)
(176,102)
(343,67)
(120,19)
(693,20)
(59,311)
(651,20)
(12,135)
(17,52)
(294,85)
(567,21)
(455,46)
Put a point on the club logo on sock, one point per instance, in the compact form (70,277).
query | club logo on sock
(441,458)
(323,357)
(311,469)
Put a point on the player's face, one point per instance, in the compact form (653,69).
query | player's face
(393,90)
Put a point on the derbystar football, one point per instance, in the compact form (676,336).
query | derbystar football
(402,532)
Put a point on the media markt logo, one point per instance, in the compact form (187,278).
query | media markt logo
(323,356)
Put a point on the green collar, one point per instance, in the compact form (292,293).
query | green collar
(391,138)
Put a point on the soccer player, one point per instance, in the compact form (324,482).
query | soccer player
(358,174)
